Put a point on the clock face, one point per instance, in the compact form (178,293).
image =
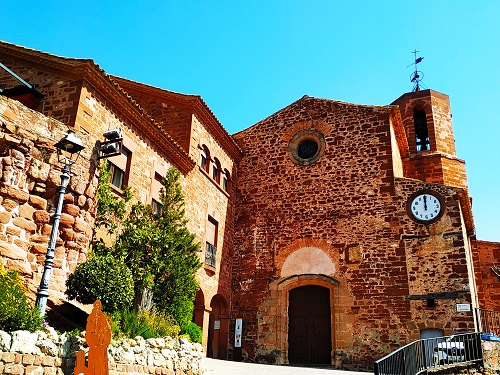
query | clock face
(425,207)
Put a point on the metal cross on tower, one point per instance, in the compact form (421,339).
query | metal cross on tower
(417,75)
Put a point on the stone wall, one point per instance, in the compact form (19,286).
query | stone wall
(488,259)
(47,353)
(30,175)
(341,223)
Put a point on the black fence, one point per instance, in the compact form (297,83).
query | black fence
(425,354)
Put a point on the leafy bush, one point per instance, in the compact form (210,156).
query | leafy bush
(127,323)
(193,331)
(161,324)
(102,278)
(130,324)
(15,310)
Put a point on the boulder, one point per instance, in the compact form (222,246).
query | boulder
(5,340)
(24,342)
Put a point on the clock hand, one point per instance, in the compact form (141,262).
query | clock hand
(425,202)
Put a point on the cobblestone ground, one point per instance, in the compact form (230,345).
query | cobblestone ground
(219,367)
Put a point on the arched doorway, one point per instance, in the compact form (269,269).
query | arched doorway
(218,331)
(309,329)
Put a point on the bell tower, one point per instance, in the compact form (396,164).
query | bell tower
(426,117)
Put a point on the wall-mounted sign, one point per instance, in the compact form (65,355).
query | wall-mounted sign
(463,306)
(217,324)
(237,333)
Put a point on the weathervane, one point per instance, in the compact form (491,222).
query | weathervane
(417,75)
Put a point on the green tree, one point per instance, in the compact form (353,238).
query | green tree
(160,251)
(157,248)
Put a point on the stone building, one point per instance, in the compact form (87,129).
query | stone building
(340,231)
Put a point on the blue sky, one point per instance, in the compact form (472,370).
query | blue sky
(248,59)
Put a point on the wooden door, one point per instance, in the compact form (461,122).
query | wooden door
(309,330)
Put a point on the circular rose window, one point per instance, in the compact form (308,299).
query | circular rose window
(306,147)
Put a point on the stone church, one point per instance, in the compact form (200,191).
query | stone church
(331,232)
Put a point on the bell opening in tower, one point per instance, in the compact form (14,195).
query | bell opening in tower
(421,131)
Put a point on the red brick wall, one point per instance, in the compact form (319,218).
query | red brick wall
(489,256)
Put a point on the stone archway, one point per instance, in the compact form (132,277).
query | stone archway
(200,316)
(218,328)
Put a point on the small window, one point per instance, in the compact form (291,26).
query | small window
(216,170)
(306,147)
(211,242)
(203,159)
(421,130)
(120,168)
(117,176)
(156,187)
(225,180)
(156,206)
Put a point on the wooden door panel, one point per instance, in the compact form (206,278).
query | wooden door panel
(309,330)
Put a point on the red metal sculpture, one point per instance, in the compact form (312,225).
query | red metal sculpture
(98,337)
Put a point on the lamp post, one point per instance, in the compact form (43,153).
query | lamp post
(68,150)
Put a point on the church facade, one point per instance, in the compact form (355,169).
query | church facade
(332,232)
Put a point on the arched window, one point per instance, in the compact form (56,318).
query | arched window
(205,158)
(421,130)
(216,170)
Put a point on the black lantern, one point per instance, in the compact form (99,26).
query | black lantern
(68,148)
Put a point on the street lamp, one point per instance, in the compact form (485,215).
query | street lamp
(68,151)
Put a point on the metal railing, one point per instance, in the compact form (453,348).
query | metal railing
(211,255)
(488,323)
(425,354)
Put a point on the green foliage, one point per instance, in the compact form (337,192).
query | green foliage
(156,248)
(110,210)
(161,323)
(102,278)
(15,310)
(128,323)
(193,331)
(160,252)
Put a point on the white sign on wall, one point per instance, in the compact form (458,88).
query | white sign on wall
(237,333)
(217,324)
(463,306)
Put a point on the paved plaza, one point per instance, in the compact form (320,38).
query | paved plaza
(220,367)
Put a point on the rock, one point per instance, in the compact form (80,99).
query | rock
(37,202)
(11,251)
(48,347)
(5,217)
(22,223)
(52,334)
(39,170)
(41,216)
(5,340)
(124,356)
(66,221)
(24,342)
(26,211)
